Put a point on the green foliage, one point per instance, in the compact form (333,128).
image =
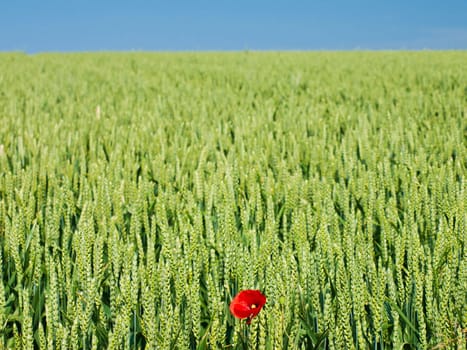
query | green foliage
(140,192)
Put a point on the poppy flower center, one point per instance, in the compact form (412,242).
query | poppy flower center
(253,306)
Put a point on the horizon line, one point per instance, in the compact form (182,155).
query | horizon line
(207,51)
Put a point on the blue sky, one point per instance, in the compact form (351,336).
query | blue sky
(86,25)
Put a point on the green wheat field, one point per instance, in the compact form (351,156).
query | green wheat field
(139,192)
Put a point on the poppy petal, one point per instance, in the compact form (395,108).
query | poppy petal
(240,310)
(247,304)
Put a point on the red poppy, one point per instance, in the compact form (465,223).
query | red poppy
(247,304)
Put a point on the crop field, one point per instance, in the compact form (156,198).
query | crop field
(140,192)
